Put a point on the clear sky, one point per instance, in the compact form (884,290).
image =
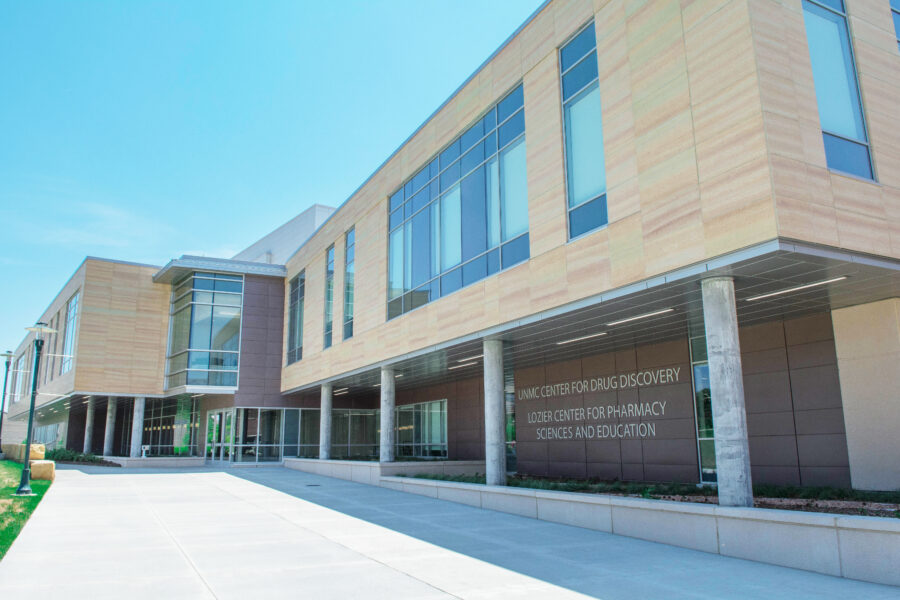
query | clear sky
(142,131)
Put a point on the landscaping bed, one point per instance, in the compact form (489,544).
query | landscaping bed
(808,499)
(14,511)
(61,456)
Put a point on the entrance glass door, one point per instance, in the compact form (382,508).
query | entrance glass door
(219,428)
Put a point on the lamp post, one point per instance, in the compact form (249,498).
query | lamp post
(39,330)
(8,356)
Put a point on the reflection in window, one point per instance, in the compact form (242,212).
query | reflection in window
(171,426)
(349,282)
(585,168)
(422,430)
(837,89)
(464,215)
(68,349)
(329,296)
(295,318)
(205,330)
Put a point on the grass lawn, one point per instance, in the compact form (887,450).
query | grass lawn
(15,511)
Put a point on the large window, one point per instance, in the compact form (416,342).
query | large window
(585,168)
(205,333)
(295,318)
(463,216)
(349,260)
(422,430)
(21,381)
(171,426)
(837,89)
(329,296)
(68,349)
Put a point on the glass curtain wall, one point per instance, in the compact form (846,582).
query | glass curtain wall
(68,349)
(295,318)
(204,344)
(349,269)
(171,426)
(585,167)
(837,88)
(463,216)
(422,430)
(329,296)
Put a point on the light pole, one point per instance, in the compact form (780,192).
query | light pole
(8,356)
(39,330)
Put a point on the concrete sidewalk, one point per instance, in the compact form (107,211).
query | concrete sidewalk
(273,532)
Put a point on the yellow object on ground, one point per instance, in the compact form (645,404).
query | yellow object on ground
(17,451)
(43,469)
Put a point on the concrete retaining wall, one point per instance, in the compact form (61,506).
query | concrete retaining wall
(371,472)
(865,548)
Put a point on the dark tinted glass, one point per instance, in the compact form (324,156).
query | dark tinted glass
(396,218)
(510,104)
(493,261)
(420,297)
(397,199)
(203,284)
(421,248)
(450,154)
(227,286)
(450,177)
(581,75)
(475,270)
(474,215)
(587,217)
(849,157)
(472,158)
(512,128)
(395,308)
(515,251)
(468,139)
(451,282)
(578,47)
(490,120)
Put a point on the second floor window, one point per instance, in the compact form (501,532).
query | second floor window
(837,90)
(585,168)
(349,268)
(68,349)
(295,318)
(329,296)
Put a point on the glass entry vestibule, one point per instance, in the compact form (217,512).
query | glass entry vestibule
(219,430)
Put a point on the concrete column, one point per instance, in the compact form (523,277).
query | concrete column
(494,414)
(726,380)
(109,431)
(89,426)
(388,401)
(325,423)
(137,428)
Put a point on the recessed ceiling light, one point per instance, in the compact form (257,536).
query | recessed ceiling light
(341,390)
(470,359)
(340,393)
(398,375)
(461,366)
(795,289)
(578,339)
(644,316)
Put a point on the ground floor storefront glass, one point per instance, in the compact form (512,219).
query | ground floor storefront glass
(171,426)
(269,435)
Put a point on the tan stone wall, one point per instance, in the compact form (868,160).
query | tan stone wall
(867,341)
(813,203)
(686,165)
(123,330)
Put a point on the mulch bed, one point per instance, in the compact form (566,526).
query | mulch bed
(843,507)
(81,463)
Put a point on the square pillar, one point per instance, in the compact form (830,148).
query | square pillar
(388,402)
(89,426)
(726,379)
(110,429)
(137,428)
(325,423)
(494,414)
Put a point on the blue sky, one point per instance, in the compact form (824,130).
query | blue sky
(145,130)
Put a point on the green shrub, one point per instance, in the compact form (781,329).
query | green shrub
(62,454)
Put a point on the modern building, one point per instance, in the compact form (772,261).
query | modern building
(649,241)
